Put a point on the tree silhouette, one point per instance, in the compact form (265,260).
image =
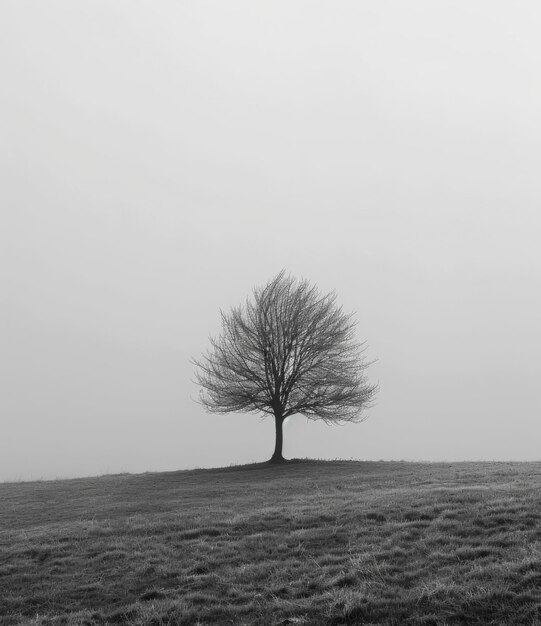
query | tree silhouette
(288,350)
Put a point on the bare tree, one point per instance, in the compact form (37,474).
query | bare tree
(288,350)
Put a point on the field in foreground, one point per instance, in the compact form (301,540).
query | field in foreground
(304,543)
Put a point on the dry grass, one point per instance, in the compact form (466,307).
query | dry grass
(304,543)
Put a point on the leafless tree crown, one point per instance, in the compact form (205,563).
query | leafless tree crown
(288,350)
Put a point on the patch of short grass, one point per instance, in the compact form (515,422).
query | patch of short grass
(303,543)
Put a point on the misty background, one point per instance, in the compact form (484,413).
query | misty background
(159,160)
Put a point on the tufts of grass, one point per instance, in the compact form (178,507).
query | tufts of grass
(304,543)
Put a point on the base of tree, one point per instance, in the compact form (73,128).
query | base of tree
(275,460)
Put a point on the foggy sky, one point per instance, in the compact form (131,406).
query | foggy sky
(159,160)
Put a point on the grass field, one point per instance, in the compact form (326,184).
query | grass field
(303,543)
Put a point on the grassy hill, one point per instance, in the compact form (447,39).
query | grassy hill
(303,543)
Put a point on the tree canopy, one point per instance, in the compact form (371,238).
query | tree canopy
(289,349)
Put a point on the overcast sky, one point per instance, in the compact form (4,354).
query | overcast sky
(160,159)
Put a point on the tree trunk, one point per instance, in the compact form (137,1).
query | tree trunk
(277,454)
